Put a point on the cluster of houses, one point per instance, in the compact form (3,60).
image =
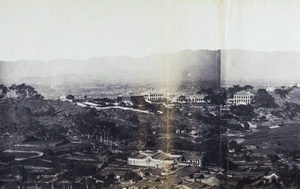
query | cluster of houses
(151,96)
(240,98)
(159,95)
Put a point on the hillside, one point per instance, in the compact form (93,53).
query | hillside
(35,118)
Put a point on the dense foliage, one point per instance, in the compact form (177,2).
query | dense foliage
(21,91)
(264,99)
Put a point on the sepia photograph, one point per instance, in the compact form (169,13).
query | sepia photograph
(149,94)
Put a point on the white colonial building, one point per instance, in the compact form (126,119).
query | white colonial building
(157,159)
(154,95)
(243,98)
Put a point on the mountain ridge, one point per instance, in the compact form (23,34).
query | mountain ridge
(157,66)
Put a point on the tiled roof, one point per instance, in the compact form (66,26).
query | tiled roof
(243,93)
(138,156)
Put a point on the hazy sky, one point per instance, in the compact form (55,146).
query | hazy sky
(79,29)
(265,25)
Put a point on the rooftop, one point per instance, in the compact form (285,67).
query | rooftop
(163,156)
(138,156)
(243,93)
(155,155)
(187,171)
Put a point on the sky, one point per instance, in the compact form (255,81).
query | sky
(80,29)
(263,25)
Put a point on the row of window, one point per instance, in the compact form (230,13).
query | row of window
(241,96)
(246,101)
(155,98)
(151,95)
(193,100)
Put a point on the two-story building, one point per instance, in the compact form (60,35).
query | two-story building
(243,98)
(154,95)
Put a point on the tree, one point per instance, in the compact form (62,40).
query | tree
(248,87)
(7,158)
(142,133)
(289,175)
(206,91)
(290,110)
(84,170)
(51,111)
(264,99)
(134,120)
(48,153)
(216,153)
(25,91)
(237,88)
(70,97)
(283,92)
(217,99)
(150,144)
(3,90)
(234,145)
(245,112)
(182,98)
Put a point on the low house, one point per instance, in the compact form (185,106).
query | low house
(191,158)
(189,99)
(187,173)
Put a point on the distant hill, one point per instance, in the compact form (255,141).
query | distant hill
(183,65)
(237,66)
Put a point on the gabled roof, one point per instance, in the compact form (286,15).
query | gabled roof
(138,156)
(164,156)
(154,155)
(187,171)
